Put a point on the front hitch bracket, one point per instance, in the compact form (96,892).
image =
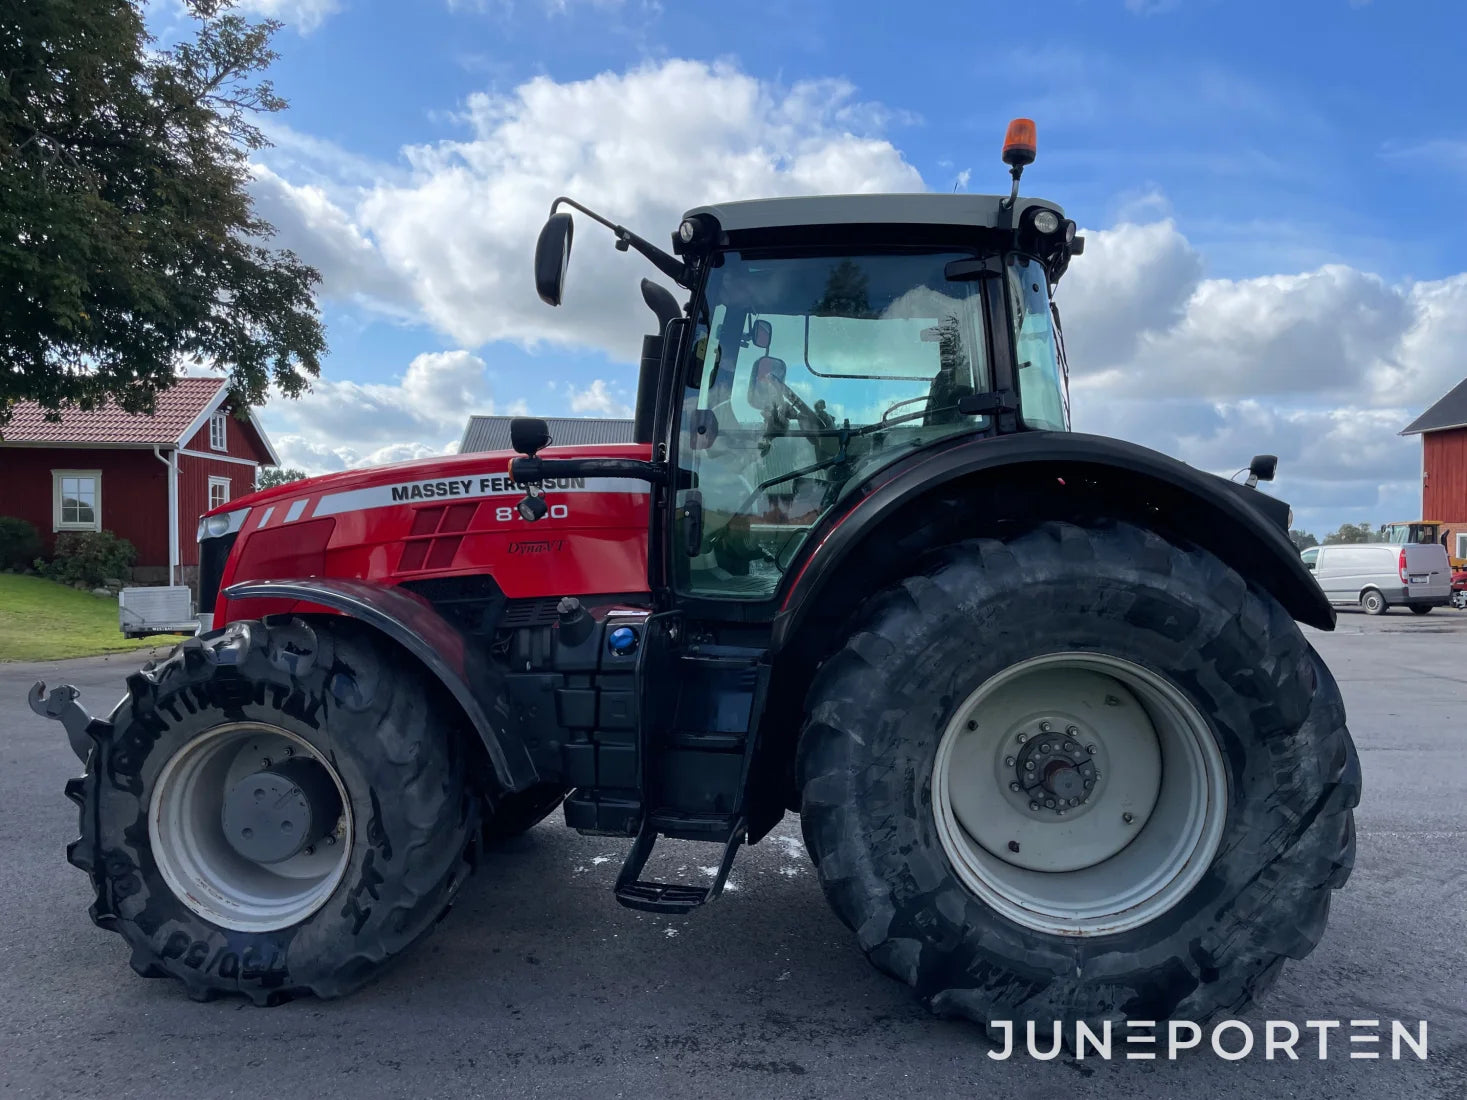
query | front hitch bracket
(62,706)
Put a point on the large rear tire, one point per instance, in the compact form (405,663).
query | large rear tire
(1222,868)
(182,819)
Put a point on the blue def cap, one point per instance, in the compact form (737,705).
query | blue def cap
(622,641)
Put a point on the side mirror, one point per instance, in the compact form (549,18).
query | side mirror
(552,255)
(528,434)
(766,381)
(1262,468)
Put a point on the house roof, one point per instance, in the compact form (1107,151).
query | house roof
(179,412)
(178,407)
(491,433)
(1449,412)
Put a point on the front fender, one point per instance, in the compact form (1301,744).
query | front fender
(412,623)
(1242,526)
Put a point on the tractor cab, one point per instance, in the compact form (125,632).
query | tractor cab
(1413,532)
(825,338)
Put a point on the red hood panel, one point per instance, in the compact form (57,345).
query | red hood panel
(447,517)
(420,469)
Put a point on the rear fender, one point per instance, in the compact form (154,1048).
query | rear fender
(412,623)
(1056,475)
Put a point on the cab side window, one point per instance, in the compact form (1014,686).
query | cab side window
(1310,556)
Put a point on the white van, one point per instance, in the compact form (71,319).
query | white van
(1377,576)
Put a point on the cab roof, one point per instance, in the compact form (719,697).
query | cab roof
(984,211)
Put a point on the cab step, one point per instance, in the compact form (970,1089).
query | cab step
(671,897)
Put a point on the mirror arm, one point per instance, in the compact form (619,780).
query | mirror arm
(666,263)
(535,470)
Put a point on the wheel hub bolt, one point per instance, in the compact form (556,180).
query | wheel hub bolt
(1088,784)
(1029,766)
(1073,731)
(1128,818)
(1092,749)
(972,723)
(1008,761)
(1023,737)
(1014,787)
(1045,727)
(1069,746)
(1049,803)
(1033,805)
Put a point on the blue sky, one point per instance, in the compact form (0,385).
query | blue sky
(1272,191)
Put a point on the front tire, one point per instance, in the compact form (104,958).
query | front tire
(1372,602)
(1186,641)
(183,865)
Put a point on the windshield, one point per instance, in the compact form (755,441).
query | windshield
(808,371)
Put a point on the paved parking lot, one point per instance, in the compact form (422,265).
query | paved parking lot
(539,984)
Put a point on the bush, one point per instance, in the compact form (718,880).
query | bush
(20,543)
(88,556)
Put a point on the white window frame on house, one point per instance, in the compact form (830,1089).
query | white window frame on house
(57,522)
(219,430)
(1461,545)
(218,482)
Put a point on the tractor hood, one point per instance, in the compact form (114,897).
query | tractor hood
(420,478)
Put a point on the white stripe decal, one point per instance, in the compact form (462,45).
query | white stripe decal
(470,487)
(270,511)
(295,511)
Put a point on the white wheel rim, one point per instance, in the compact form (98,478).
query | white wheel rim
(1120,852)
(197,861)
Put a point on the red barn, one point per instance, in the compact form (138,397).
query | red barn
(1443,431)
(145,478)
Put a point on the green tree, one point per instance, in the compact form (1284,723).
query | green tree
(1302,540)
(128,243)
(1352,532)
(270,476)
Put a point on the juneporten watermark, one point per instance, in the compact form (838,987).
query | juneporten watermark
(1231,1040)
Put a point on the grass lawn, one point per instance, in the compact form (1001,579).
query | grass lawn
(41,620)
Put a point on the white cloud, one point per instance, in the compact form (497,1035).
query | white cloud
(1322,368)
(343,424)
(641,147)
(304,15)
(351,266)
(597,400)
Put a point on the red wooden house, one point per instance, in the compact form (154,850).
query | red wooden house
(1443,431)
(145,478)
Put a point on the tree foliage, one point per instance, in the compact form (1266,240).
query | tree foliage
(847,293)
(128,242)
(270,476)
(1302,540)
(1352,532)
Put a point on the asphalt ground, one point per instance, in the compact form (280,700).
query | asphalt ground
(539,984)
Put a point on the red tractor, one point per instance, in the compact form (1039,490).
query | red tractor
(836,574)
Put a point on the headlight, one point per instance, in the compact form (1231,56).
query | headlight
(1046,222)
(222,523)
